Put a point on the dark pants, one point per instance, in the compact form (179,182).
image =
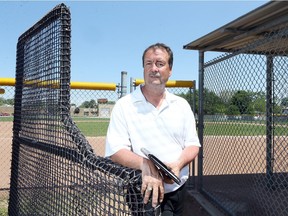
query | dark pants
(173,203)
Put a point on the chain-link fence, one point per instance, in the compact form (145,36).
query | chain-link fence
(90,110)
(245,142)
(6,123)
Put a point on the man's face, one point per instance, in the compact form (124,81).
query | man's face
(156,67)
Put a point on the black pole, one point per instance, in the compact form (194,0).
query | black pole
(269,120)
(200,119)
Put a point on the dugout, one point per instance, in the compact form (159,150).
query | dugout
(243,163)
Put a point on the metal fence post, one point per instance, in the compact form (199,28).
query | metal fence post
(200,119)
(123,83)
(269,120)
(131,84)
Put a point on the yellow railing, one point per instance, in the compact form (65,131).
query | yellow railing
(100,86)
(73,85)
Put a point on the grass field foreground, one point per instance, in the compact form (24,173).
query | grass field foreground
(3,207)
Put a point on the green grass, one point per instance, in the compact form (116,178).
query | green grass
(3,207)
(89,119)
(6,118)
(93,129)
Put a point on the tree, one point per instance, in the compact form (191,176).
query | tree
(243,99)
(284,102)
(233,110)
(77,110)
(89,104)
(213,104)
(226,95)
(6,101)
(2,101)
(260,102)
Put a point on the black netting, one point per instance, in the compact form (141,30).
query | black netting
(54,169)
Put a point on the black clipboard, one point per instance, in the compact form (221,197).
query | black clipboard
(160,165)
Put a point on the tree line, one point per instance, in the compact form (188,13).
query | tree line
(239,102)
(4,101)
(236,102)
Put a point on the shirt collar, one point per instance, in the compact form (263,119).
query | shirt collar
(137,95)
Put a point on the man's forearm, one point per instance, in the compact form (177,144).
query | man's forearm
(128,159)
(188,154)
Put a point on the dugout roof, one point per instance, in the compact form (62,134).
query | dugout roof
(253,25)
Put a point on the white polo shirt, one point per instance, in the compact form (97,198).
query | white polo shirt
(165,132)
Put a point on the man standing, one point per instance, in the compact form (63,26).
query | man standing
(159,121)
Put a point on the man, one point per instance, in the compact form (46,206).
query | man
(159,121)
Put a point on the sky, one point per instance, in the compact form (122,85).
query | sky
(108,37)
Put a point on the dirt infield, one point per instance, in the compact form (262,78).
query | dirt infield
(5,153)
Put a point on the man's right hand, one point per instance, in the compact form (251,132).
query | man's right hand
(152,183)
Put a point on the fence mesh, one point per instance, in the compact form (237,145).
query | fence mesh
(54,169)
(245,146)
(6,118)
